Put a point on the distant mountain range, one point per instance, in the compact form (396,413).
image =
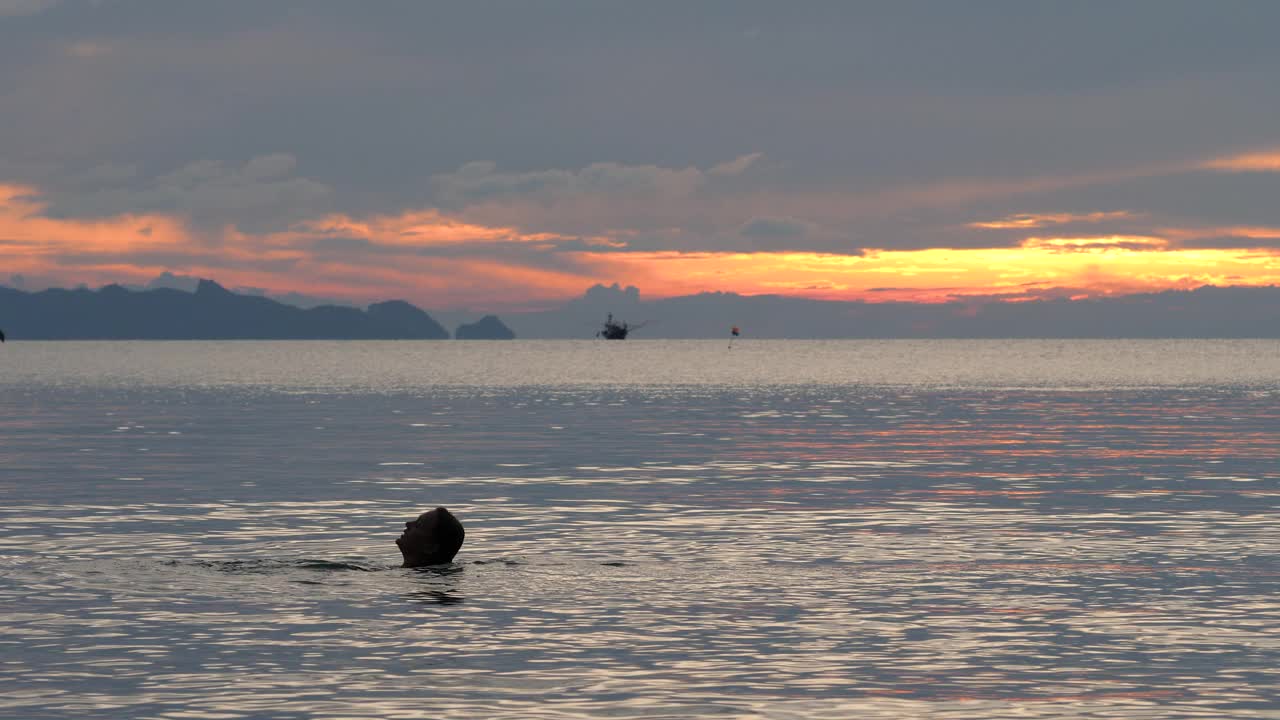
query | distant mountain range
(488,327)
(212,312)
(1206,312)
(209,313)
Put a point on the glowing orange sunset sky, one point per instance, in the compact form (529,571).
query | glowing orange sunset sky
(498,266)
(836,159)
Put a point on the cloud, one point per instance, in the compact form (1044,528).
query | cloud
(1225,236)
(774,227)
(87,49)
(1265,161)
(418,229)
(439,260)
(1088,244)
(481,182)
(422,256)
(377,116)
(105,174)
(14,8)
(167,279)
(933,275)
(737,166)
(269,167)
(785,233)
(261,194)
(1038,220)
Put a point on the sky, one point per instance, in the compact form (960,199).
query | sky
(506,156)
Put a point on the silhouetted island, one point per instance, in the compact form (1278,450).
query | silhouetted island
(488,327)
(1205,312)
(210,313)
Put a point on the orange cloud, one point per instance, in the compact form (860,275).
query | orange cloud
(937,274)
(1036,220)
(1252,232)
(1096,244)
(31,243)
(1262,161)
(418,228)
(439,261)
(136,248)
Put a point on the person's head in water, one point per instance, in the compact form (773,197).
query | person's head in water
(432,539)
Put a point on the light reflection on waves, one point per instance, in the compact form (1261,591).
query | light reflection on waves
(406,367)
(812,553)
(957,615)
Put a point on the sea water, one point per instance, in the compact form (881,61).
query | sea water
(655,529)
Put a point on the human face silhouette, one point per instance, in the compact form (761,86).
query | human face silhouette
(431,539)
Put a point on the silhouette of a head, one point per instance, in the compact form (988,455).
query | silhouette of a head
(432,539)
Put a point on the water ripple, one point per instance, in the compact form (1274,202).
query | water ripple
(807,552)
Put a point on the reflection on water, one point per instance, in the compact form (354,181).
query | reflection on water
(835,550)
(405,366)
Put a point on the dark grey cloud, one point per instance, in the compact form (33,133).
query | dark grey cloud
(774,227)
(1202,196)
(14,8)
(261,194)
(553,254)
(785,233)
(479,182)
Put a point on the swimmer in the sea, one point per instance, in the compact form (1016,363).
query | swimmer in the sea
(432,539)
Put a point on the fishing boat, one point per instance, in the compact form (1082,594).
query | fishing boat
(615,330)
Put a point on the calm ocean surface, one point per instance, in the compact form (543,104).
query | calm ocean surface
(655,529)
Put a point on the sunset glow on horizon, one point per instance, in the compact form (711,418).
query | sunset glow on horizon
(364,156)
(942,274)
(397,259)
